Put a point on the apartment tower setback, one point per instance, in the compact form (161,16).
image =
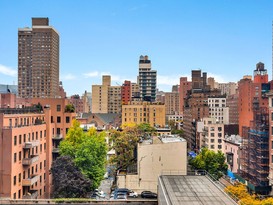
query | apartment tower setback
(146,80)
(38,60)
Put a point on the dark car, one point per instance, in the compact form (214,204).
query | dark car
(148,194)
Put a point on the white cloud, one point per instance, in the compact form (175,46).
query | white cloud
(68,77)
(8,71)
(167,80)
(217,78)
(91,74)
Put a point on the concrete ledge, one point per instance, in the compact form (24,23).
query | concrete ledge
(52,201)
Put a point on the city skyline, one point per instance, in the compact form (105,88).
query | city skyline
(225,39)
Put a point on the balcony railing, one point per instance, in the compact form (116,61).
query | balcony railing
(55,150)
(32,194)
(29,145)
(30,181)
(31,160)
(57,137)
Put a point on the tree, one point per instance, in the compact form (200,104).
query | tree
(69,108)
(88,151)
(145,129)
(124,144)
(68,180)
(212,162)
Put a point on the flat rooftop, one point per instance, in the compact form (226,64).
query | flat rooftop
(192,190)
(163,139)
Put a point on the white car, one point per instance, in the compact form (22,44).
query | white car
(100,193)
(132,194)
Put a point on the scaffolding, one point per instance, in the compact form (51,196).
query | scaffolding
(255,150)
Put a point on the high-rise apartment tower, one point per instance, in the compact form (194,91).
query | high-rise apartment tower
(38,60)
(146,80)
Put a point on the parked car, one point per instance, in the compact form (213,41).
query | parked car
(129,192)
(99,193)
(95,196)
(148,194)
(132,194)
(121,197)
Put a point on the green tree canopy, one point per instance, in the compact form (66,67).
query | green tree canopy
(125,143)
(212,162)
(145,128)
(68,180)
(88,150)
(69,108)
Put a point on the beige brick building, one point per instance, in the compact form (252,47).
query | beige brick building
(106,98)
(161,156)
(114,99)
(172,103)
(144,112)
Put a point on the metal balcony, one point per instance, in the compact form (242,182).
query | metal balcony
(31,160)
(30,181)
(55,150)
(29,145)
(32,194)
(57,137)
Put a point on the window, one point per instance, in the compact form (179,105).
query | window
(41,147)
(219,134)
(20,139)
(15,157)
(219,146)
(19,178)
(24,137)
(36,135)
(212,134)
(219,141)
(14,180)
(41,134)
(14,196)
(212,140)
(67,119)
(219,129)
(20,156)
(58,108)
(44,146)
(58,119)
(15,140)
(19,194)
(41,165)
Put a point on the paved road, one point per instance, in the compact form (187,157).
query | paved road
(105,186)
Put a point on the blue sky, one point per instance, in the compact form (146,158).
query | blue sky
(225,38)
